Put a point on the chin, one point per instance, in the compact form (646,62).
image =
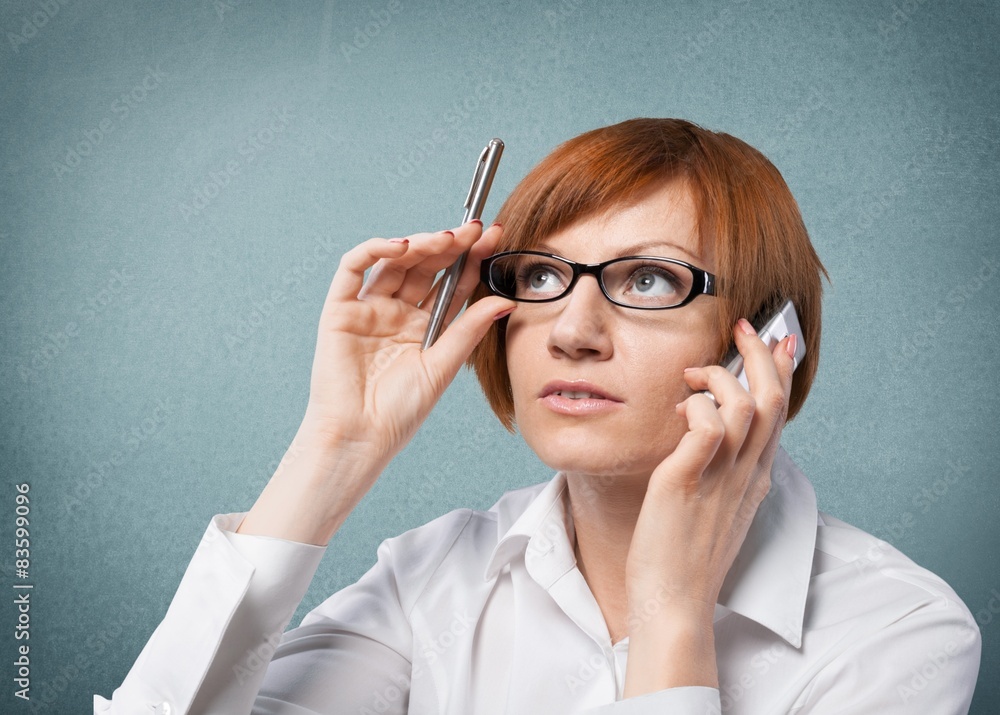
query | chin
(596,447)
(579,449)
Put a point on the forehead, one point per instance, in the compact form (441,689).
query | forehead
(662,222)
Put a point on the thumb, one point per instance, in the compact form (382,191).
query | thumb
(457,340)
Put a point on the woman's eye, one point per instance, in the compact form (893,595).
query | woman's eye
(653,281)
(539,278)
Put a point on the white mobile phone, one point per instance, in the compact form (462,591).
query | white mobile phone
(782,323)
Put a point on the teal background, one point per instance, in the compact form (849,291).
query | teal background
(883,117)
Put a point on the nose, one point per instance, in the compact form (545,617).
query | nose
(580,328)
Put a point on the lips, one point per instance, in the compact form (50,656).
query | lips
(578,389)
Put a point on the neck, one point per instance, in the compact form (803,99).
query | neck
(605,511)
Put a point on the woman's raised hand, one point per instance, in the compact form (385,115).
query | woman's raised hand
(371,385)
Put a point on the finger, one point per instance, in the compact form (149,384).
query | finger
(699,444)
(350,275)
(762,375)
(457,340)
(736,406)
(764,381)
(481,249)
(763,436)
(418,281)
(388,275)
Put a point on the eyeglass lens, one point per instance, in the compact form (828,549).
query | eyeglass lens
(642,282)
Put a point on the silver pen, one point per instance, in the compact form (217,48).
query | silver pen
(482,179)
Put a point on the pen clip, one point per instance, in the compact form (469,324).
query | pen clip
(476,177)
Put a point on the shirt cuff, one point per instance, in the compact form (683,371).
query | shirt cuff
(238,593)
(685,700)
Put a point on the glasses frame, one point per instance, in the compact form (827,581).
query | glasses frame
(703,282)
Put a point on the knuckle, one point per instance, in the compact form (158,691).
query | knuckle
(712,432)
(746,406)
(775,400)
(715,371)
(354,257)
(346,265)
(762,487)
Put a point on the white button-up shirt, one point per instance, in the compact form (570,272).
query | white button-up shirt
(486,612)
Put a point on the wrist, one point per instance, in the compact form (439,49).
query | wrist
(654,601)
(315,487)
(670,651)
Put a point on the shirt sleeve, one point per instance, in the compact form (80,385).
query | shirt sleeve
(687,700)
(924,663)
(351,654)
(234,601)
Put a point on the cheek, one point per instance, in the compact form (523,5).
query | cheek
(519,359)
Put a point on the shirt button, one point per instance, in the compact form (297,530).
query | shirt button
(160,708)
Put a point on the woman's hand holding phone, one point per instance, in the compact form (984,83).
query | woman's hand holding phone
(696,513)
(371,385)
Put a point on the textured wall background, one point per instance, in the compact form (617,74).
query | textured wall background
(170,170)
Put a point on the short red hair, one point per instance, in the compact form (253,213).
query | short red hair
(745,211)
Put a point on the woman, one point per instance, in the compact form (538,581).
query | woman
(676,562)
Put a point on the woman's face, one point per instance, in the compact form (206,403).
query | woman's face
(636,355)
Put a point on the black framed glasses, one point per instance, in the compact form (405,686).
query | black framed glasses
(643,282)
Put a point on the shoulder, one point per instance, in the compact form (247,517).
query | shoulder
(456,544)
(871,560)
(885,629)
(860,577)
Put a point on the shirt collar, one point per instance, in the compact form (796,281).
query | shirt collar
(768,582)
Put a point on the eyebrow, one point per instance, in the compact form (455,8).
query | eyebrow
(632,250)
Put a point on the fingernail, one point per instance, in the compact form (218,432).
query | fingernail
(399,240)
(506,312)
(476,220)
(451,232)
(497,224)
(790,345)
(746,327)
(690,369)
